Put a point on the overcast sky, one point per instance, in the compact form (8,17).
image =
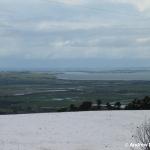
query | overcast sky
(74,33)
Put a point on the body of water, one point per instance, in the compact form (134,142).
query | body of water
(118,75)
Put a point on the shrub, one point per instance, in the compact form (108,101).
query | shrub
(143,135)
(85,106)
(117,105)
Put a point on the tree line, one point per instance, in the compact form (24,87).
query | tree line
(136,104)
(15,108)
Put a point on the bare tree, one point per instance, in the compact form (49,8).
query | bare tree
(143,136)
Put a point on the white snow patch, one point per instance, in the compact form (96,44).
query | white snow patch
(104,130)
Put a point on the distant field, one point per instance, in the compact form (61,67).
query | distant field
(40,91)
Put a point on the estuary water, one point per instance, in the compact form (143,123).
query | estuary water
(108,75)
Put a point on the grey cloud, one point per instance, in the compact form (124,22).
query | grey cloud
(37,30)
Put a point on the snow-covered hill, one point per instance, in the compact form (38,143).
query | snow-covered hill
(109,130)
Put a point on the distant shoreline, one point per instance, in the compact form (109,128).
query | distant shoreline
(124,75)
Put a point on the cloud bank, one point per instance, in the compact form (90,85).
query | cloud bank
(39,30)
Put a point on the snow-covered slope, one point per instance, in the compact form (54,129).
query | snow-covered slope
(70,131)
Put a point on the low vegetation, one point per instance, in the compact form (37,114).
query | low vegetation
(34,92)
(143,104)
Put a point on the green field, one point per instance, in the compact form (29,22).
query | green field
(41,91)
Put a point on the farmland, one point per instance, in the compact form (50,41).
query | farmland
(43,91)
